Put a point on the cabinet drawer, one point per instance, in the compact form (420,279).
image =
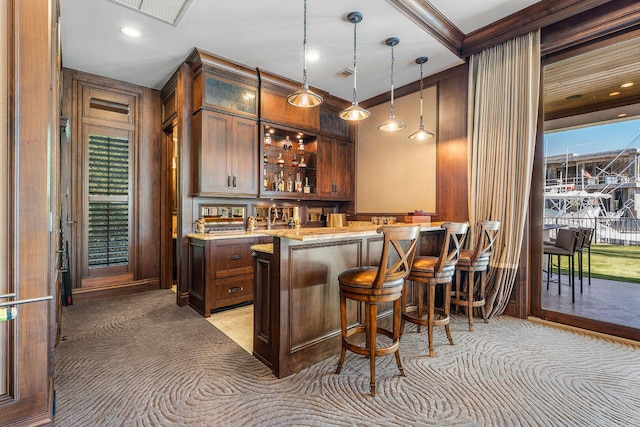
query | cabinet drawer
(232,290)
(233,260)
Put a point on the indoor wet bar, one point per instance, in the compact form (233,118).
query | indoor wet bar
(319,212)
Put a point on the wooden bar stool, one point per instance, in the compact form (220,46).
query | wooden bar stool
(429,271)
(474,261)
(374,285)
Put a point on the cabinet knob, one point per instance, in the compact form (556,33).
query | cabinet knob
(235,181)
(228,181)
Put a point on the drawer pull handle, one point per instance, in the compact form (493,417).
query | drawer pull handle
(236,289)
(234,256)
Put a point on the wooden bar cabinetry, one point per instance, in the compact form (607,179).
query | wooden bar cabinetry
(221,272)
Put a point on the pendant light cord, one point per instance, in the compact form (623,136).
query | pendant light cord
(421,88)
(355,69)
(304,47)
(392,62)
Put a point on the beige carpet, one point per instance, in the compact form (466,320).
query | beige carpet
(141,360)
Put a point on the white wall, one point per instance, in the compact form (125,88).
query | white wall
(394,173)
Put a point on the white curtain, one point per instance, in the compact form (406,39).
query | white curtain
(504,86)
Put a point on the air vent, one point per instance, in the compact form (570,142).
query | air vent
(346,72)
(168,11)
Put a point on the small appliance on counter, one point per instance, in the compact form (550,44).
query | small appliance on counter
(337,220)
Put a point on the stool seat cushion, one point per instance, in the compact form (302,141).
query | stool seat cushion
(425,266)
(465,258)
(363,277)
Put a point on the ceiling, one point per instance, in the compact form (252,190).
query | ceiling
(586,88)
(267,34)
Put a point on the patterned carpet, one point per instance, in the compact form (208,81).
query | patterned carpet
(140,360)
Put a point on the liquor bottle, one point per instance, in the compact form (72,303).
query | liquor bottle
(302,163)
(281,182)
(298,183)
(307,188)
(267,139)
(280,160)
(301,144)
(274,184)
(294,161)
(287,145)
(289,183)
(265,158)
(265,182)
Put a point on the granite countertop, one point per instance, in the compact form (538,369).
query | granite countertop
(329,233)
(266,248)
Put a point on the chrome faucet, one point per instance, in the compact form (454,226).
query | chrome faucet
(269,217)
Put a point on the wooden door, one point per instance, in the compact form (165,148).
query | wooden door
(29,208)
(325,167)
(244,157)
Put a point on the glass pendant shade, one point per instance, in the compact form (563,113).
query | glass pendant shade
(304,97)
(354,112)
(392,125)
(421,134)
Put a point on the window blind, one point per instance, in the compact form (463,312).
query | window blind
(108,201)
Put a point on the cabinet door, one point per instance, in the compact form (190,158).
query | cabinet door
(325,167)
(342,173)
(244,157)
(215,167)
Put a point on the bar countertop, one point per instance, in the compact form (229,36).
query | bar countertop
(329,233)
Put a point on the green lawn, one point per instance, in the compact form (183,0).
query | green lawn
(621,263)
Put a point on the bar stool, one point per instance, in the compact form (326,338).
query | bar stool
(564,245)
(473,261)
(430,271)
(373,285)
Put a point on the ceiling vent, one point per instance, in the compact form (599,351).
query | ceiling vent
(168,11)
(346,72)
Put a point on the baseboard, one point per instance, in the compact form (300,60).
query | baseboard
(115,290)
(584,331)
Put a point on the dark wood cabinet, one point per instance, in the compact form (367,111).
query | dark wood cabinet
(335,168)
(221,272)
(225,154)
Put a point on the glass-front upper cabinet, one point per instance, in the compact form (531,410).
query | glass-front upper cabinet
(289,163)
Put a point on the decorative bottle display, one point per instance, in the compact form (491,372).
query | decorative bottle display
(289,162)
(298,183)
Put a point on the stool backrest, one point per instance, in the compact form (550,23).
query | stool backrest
(397,253)
(453,240)
(486,238)
(567,239)
(588,236)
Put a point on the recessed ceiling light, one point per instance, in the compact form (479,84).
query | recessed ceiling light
(627,84)
(313,56)
(130,32)
(614,93)
(622,115)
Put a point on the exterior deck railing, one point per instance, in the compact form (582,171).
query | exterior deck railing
(612,231)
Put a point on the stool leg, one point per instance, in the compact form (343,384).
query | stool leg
(432,297)
(589,263)
(343,325)
(483,284)
(559,289)
(549,267)
(458,288)
(447,293)
(421,296)
(470,284)
(403,307)
(372,309)
(396,332)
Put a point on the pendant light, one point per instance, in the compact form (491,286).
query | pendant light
(392,125)
(304,97)
(421,134)
(354,112)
